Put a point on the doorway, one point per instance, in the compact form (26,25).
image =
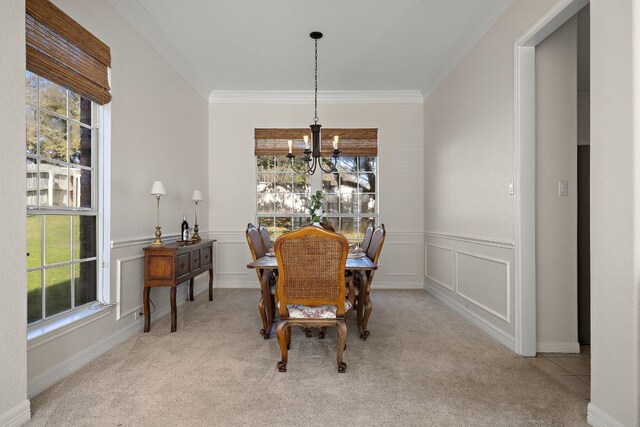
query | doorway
(525,165)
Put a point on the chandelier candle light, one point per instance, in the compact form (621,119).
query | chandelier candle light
(157,189)
(197,196)
(312,155)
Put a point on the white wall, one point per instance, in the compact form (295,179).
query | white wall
(469,161)
(615,212)
(158,131)
(14,406)
(557,216)
(233,185)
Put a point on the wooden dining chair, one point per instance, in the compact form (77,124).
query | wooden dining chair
(328,226)
(373,252)
(366,240)
(311,286)
(266,238)
(256,246)
(364,246)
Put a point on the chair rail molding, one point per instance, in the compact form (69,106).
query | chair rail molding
(146,240)
(505,244)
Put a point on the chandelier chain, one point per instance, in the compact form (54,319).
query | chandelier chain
(315,118)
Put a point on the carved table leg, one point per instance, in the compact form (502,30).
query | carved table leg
(211,284)
(361,303)
(191,289)
(367,313)
(263,315)
(147,313)
(266,291)
(174,317)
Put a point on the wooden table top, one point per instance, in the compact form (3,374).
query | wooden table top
(270,263)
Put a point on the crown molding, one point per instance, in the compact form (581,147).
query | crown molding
(140,19)
(481,23)
(307,97)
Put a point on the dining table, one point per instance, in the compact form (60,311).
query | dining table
(357,265)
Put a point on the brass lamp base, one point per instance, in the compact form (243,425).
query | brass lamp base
(158,240)
(196,236)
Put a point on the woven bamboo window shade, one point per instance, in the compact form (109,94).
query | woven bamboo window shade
(353,142)
(62,51)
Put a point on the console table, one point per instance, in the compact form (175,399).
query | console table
(172,264)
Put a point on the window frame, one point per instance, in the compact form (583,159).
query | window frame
(100,210)
(314,185)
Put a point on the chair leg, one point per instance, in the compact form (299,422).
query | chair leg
(281,332)
(263,316)
(307,332)
(342,343)
(322,332)
(365,322)
(287,334)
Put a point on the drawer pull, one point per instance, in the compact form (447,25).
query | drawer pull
(182,265)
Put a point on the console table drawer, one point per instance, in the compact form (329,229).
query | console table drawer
(182,264)
(195,260)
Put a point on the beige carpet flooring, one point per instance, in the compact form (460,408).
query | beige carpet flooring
(422,365)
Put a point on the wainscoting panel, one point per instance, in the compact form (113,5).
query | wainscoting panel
(129,284)
(439,265)
(474,274)
(232,259)
(484,281)
(401,258)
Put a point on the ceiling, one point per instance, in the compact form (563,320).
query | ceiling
(368,45)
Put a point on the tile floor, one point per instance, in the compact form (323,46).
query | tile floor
(573,370)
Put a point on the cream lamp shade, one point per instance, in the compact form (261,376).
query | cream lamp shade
(197,196)
(157,188)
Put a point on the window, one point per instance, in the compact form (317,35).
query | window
(67,82)
(61,199)
(351,193)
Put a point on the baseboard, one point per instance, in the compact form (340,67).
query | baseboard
(499,335)
(16,416)
(558,347)
(46,379)
(598,418)
(236,284)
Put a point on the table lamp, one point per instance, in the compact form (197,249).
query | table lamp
(197,196)
(157,189)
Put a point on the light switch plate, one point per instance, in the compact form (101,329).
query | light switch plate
(563,188)
(511,188)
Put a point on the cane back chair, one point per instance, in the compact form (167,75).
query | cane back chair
(311,285)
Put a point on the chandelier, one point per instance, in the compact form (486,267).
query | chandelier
(312,155)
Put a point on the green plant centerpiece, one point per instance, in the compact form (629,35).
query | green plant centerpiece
(314,208)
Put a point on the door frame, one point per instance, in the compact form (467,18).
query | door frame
(525,169)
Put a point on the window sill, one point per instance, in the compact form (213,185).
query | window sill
(42,333)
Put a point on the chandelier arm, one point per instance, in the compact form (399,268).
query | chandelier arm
(333,166)
(296,170)
(312,168)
